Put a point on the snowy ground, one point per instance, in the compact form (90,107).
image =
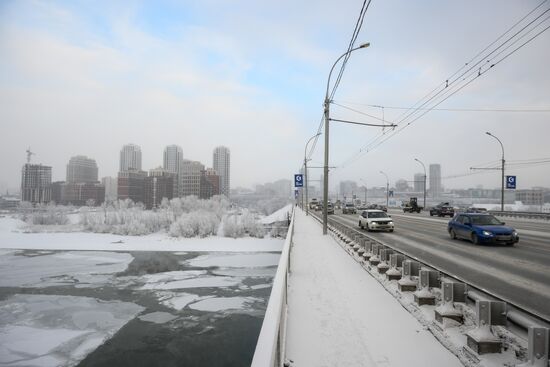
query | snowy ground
(279,216)
(59,301)
(13,236)
(342,313)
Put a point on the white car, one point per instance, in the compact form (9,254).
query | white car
(375,220)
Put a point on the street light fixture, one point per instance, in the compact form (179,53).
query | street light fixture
(327,119)
(387,188)
(423,166)
(305,170)
(365,190)
(502,170)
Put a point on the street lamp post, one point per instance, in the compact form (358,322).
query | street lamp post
(502,171)
(305,169)
(423,166)
(327,118)
(387,189)
(365,182)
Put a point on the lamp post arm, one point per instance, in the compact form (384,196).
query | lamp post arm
(334,65)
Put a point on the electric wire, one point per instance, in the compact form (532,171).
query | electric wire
(456,86)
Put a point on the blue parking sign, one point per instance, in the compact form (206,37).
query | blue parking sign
(511,182)
(299,180)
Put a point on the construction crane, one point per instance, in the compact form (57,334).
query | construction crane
(29,154)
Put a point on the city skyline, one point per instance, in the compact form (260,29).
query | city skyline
(195,76)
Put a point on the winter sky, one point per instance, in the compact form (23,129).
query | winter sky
(86,77)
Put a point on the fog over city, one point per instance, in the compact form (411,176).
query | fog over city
(83,78)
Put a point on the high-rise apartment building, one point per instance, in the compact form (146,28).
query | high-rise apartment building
(130,158)
(222,165)
(210,183)
(81,169)
(111,188)
(191,172)
(36,181)
(435,180)
(131,185)
(157,186)
(419,182)
(173,162)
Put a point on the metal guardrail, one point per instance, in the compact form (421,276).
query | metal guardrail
(270,349)
(530,215)
(536,327)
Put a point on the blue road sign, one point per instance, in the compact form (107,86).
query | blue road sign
(511,182)
(299,180)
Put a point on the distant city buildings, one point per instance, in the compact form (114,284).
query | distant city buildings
(173,162)
(348,189)
(191,177)
(130,158)
(222,165)
(111,188)
(210,183)
(81,169)
(157,186)
(418,184)
(131,185)
(435,180)
(36,181)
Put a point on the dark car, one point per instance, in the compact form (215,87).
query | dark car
(481,228)
(348,208)
(442,210)
(330,208)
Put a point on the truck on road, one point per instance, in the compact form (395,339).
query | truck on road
(412,206)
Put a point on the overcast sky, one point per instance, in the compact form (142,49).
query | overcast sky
(86,77)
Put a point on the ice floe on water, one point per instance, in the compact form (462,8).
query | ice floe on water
(17,269)
(246,260)
(175,300)
(158,317)
(198,282)
(54,330)
(216,304)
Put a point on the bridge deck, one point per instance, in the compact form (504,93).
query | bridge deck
(338,315)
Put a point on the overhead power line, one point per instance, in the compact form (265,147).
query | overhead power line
(456,82)
(514,110)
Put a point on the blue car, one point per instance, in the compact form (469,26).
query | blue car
(481,228)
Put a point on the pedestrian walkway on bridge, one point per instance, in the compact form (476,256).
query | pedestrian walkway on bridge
(339,315)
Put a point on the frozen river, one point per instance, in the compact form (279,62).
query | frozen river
(100,308)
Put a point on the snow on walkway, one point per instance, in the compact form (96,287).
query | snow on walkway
(338,315)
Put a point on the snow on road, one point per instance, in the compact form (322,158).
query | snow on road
(339,315)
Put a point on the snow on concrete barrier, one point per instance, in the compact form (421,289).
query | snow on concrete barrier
(539,342)
(481,340)
(452,292)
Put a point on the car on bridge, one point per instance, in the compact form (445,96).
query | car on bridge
(481,228)
(375,220)
(348,208)
(330,208)
(442,210)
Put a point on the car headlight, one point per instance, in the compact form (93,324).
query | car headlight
(390,223)
(487,233)
(515,234)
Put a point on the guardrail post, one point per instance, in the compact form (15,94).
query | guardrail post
(482,340)
(428,279)
(375,258)
(396,262)
(452,292)
(410,269)
(361,249)
(383,266)
(539,341)
(368,250)
(356,245)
